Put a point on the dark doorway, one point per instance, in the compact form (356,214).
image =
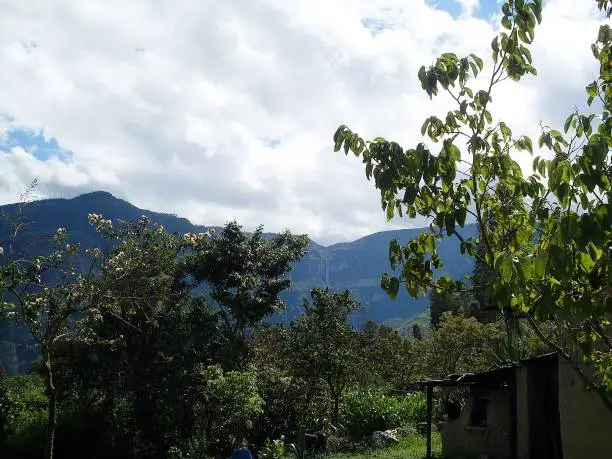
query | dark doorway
(543,399)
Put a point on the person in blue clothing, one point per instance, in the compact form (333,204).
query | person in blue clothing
(242,453)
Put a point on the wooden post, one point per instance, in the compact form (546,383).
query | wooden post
(301,443)
(429,416)
(513,384)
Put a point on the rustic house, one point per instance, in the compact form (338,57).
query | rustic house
(536,409)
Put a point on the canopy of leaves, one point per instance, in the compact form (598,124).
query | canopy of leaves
(129,333)
(322,344)
(245,273)
(458,345)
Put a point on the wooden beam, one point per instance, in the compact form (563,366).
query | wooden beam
(429,416)
(513,383)
(301,442)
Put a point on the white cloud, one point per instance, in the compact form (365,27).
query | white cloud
(220,110)
(468,6)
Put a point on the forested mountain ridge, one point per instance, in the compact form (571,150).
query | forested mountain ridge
(355,265)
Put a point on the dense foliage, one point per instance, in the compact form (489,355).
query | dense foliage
(322,344)
(368,409)
(157,347)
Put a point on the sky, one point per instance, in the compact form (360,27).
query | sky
(221,110)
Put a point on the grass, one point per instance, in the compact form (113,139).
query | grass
(412,447)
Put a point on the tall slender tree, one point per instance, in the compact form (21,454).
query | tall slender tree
(243,276)
(549,248)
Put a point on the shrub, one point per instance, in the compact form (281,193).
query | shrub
(79,431)
(7,407)
(26,397)
(226,405)
(284,403)
(24,407)
(289,402)
(413,408)
(367,410)
(277,449)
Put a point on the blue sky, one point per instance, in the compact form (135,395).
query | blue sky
(34,142)
(484,10)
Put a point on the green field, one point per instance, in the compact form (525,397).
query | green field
(413,447)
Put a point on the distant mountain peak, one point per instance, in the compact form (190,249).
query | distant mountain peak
(104,198)
(96,195)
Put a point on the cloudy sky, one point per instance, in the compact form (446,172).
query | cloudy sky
(218,110)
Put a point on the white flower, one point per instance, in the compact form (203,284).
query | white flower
(94,218)
(190,238)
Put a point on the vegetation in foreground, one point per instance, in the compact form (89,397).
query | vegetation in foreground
(136,363)
(410,446)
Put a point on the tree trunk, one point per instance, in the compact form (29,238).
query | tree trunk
(511,323)
(336,412)
(51,408)
(51,425)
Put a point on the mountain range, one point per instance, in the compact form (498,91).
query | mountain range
(355,265)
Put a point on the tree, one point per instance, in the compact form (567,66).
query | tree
(132,337)
(51,299)
(482,277)
(156,329)
(458,303)
(15,272)
(518,345)
(457,345)
(66,308)
(149,336)
(244,275)
(322,344)
(550,246)
(389,358)
(166,329)
(290,401)
(226,405)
